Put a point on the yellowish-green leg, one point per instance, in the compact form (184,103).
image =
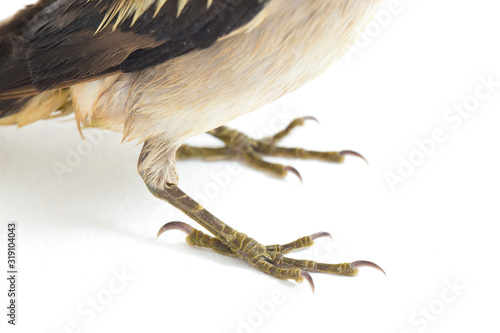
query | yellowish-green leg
(198,238)
(243,246)
(269,259)
(230,242)
(239,146)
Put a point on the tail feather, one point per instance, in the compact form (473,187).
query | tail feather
(27,110)
(15,78)
(10,107)
(17,93)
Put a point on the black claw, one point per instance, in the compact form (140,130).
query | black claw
(311,118)
(176,225)
(294,171)
(320,235)
(353,153)
(308,278)
(364,263)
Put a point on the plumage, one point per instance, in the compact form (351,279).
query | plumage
(71,41)
(163,71)
(140,67)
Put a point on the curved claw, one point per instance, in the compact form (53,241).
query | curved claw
(311,118)
(308,278)
(295,172)
(320,235)
(364,263)
(176,225)
(353,153)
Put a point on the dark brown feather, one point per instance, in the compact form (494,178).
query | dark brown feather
(12,106)
(54,44)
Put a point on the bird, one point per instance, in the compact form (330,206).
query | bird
(163,71)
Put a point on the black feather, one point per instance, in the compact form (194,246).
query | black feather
(12,106)
(56,45)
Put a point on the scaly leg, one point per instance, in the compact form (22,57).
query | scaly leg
(198,238)
(229,241)
(239,146)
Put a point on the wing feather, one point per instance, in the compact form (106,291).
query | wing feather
(57,43)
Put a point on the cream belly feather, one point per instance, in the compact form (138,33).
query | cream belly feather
(283,48)
(288,44)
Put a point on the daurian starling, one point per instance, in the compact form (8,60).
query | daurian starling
(163,71)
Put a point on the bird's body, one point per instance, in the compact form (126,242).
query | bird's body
(163,71)
(287,44)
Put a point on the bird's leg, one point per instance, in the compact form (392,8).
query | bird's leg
(239,146)
(157,168)
(228,241)
(274,139)
(198,238)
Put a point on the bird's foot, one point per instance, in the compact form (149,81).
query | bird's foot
(269,259)
(241,147)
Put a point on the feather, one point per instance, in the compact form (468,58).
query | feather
(121,10)
(164,78)
(73,41)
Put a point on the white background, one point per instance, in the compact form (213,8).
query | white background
(438,228)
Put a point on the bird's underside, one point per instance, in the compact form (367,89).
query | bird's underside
(163,71)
